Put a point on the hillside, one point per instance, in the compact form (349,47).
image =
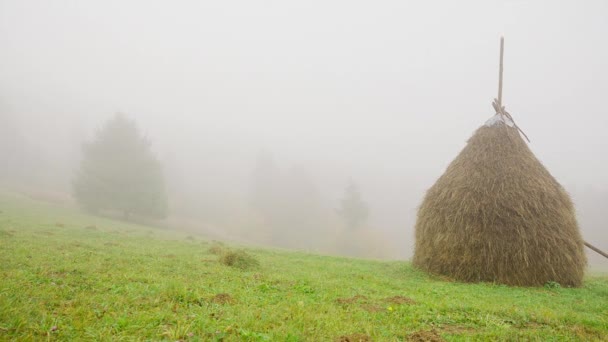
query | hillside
(69,276)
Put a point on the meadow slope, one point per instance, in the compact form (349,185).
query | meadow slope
(68,276)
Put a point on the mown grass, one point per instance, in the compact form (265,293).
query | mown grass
(69,276)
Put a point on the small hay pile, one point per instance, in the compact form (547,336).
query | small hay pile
(498,215)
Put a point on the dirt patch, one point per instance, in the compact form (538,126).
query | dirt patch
(372,308)
(425,336)
(351,300)
(60,225)
(400,300)
(354,338)
(222,298)
(170,256)
(91,227)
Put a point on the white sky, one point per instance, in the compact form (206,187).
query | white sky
(386,92)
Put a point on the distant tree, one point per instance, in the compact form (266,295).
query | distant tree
(352,208)
(119,173)
(288,201)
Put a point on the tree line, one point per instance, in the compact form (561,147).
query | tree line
(120,174)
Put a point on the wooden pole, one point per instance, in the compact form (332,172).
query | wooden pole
(502,50)
(595,249)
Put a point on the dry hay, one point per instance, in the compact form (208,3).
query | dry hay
(498,215)
(239,259)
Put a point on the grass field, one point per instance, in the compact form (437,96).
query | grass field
(68,276)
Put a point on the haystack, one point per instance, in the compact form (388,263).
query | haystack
(498,215)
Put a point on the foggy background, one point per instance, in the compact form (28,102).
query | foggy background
(382,93)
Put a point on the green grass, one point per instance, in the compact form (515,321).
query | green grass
(68,276)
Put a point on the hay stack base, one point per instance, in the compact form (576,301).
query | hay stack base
(498,215)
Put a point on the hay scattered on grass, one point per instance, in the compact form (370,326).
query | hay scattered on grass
(498,215)
(239,259)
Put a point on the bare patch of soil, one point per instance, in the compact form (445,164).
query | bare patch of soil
(222,298)
(425,336)
(354,338)
(372,308)
(400,300)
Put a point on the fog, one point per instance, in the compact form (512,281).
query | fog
(383,94)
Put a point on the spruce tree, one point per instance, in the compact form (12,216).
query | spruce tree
(119,173)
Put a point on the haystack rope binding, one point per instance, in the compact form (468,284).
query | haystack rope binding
(501,110)
(497,104)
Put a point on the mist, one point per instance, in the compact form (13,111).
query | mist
(383,95)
